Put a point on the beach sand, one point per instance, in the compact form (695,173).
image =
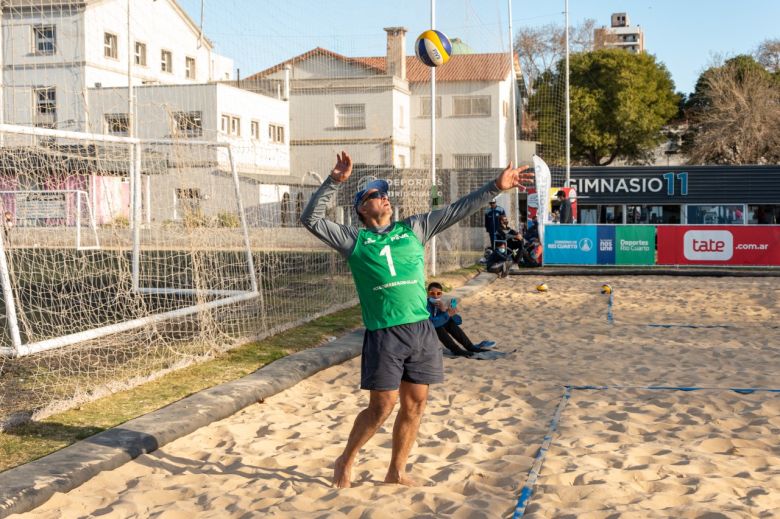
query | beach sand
(620,452)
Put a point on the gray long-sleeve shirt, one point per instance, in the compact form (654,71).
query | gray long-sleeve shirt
(425,226)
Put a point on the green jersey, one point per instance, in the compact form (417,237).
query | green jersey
(389,274)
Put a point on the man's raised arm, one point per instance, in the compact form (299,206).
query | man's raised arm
(340,237)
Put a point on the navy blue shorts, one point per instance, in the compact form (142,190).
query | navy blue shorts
(409,352)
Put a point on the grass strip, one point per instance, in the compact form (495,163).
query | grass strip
(34,440)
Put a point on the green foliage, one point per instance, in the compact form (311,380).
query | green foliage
(619,103)
(228,220)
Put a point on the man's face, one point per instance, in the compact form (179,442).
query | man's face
(375,204)
(492,205)
(434,292)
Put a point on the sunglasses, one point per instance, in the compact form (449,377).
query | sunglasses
(374,196)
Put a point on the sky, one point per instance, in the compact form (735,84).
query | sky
(687,36)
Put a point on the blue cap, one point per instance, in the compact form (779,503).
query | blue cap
(379,185)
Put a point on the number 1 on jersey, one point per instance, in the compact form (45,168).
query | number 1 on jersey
(386,252)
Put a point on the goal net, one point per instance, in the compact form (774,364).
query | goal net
(156,176)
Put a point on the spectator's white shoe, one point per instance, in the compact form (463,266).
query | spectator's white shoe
(486,345)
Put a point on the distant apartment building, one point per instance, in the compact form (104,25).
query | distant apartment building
(379,108)
(620,35)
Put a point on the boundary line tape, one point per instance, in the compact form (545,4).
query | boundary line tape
(527,491)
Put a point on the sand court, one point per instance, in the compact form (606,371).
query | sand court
(626,452)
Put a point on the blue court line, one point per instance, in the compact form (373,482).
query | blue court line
(536,468)
(691,325)
(740,390)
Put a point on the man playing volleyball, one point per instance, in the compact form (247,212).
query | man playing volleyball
(401,354)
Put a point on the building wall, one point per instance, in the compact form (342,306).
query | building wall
(79,62)
(466,135)
(317,138)
(158,24)
(156,104)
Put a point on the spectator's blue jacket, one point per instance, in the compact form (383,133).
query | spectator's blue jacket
(438,318)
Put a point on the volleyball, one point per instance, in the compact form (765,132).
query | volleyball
(433,48)
(606,289)
(541,287)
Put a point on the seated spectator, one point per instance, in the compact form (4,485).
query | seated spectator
(532,231)
(532,254)
(500,260)
(513,238)
(447,323)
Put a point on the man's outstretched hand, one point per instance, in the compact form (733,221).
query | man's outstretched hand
(343,168)
(514,177)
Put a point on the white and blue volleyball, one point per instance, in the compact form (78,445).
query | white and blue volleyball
(433,48)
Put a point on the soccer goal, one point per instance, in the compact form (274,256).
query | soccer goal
(107,234)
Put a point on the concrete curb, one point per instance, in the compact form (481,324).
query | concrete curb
(29,486)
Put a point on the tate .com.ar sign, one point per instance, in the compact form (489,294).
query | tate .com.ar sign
(708,245)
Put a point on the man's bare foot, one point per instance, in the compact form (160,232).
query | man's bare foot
(402,479)
(341,473)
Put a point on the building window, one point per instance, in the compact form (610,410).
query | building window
(401,122)
(45,107)
(140,54)
(230,124)
(166,61)
(254,130)
(426,161)
(425,106)
(285,210)
(474,106)
(189,68)
(477,161)
(276,133)
(763,214)
(188,201)
(45,39)
(402,161)
(117,124)
(350,116)
(714,214)
(188,124)
(110,46)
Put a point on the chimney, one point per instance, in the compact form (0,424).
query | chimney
(396,51)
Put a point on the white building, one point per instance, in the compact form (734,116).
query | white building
(620,35)
(53,51)
(66,66)
(256,125)
(379,109)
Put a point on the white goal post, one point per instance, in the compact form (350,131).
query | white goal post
(183,266)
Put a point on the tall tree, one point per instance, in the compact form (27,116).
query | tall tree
(539,49)
(768,55)
(734,115)
(619,103)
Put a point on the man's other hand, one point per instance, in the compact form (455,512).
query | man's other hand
(514,177)
(343,168)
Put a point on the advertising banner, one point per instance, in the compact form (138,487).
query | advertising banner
(635,245)
(719,245)
(606,245)
(570,245)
